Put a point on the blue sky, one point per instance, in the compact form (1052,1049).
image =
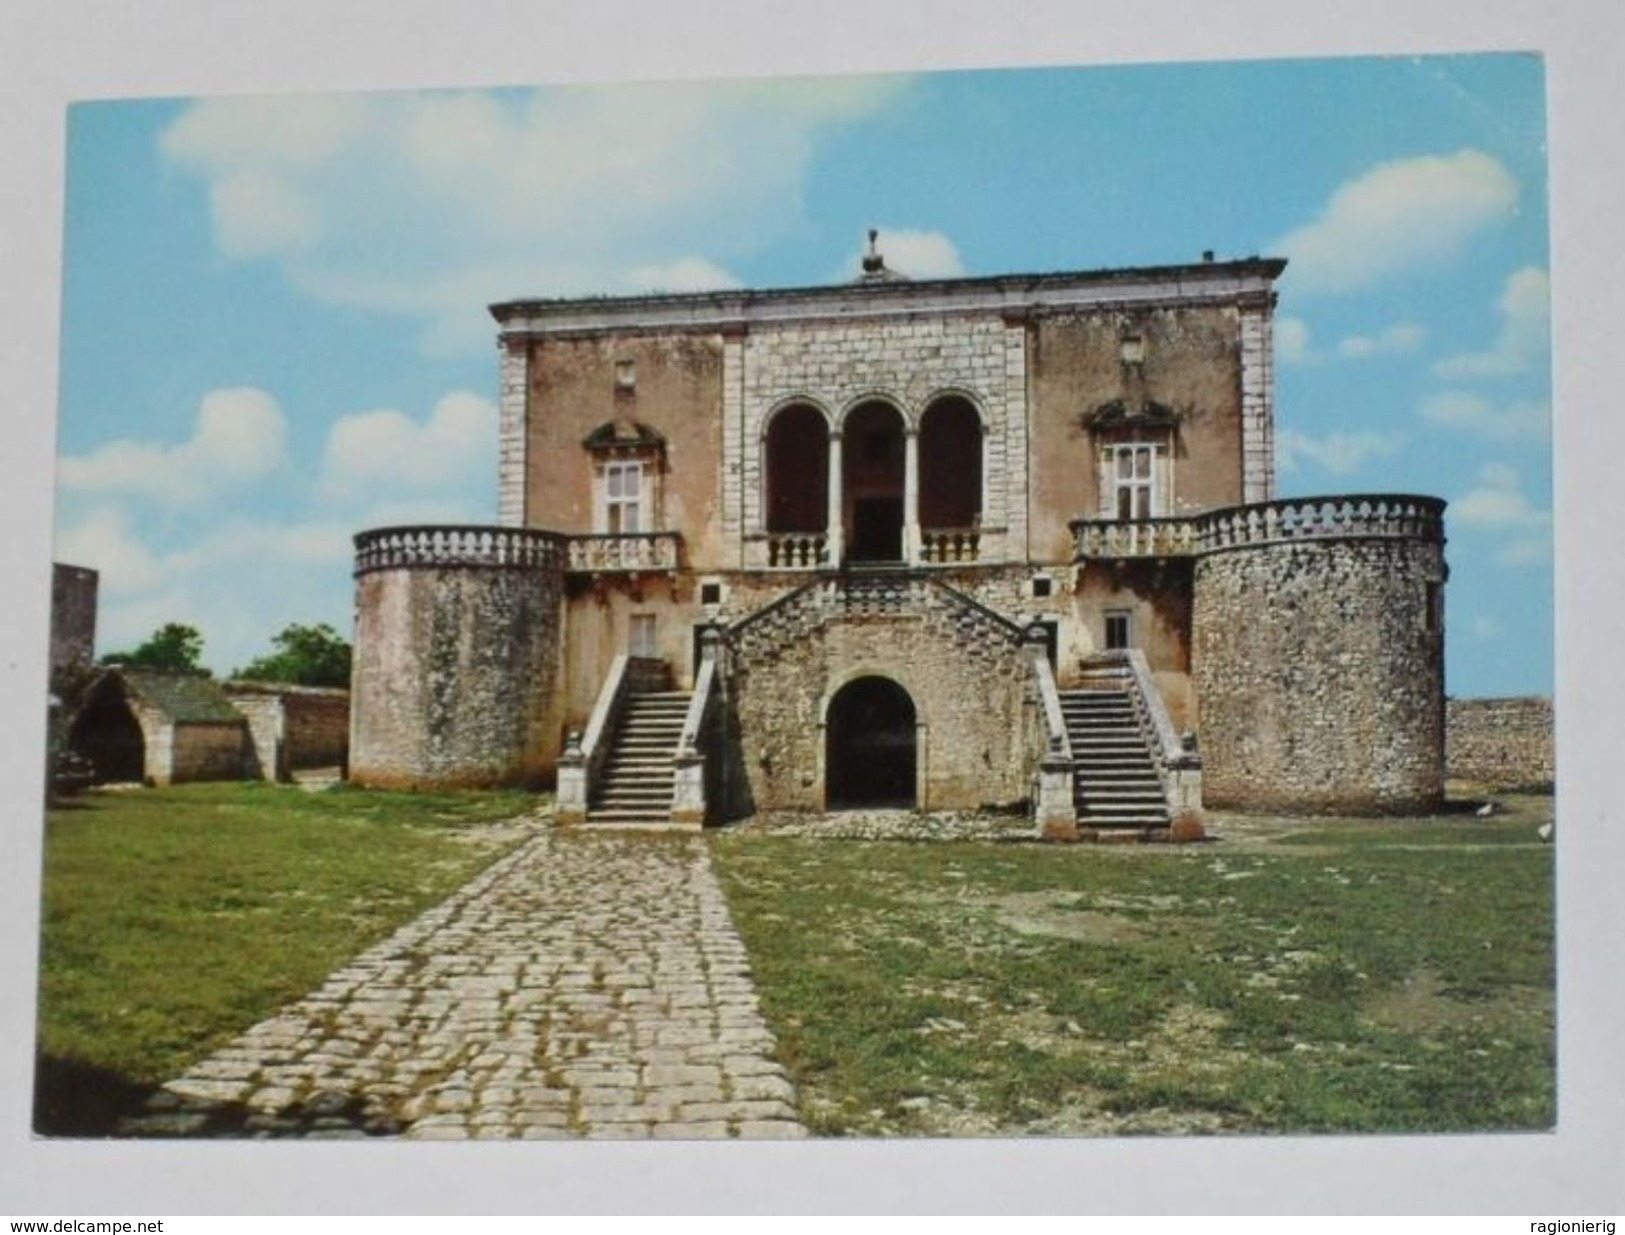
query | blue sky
(274,331)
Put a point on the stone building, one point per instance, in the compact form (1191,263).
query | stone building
(292,728)
(951,544)
(159,728)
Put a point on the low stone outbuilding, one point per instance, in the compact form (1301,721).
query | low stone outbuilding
(292,728)
(160,728)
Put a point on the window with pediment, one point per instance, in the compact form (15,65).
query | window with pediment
(1135,476)
(627,461)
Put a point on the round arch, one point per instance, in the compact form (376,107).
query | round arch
(871,755)
(873,469)
(951,472)
(796,460)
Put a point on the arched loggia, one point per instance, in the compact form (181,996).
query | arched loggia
(872,483)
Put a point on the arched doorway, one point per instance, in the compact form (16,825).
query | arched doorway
(872,479)
(870,759)
(106,733)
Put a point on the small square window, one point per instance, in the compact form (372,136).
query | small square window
(710,593)
(1119,630)
(1043,586)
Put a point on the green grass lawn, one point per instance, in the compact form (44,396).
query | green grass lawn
(176,918)
(1294,976)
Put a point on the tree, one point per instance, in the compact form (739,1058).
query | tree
(304,656)
(173,646)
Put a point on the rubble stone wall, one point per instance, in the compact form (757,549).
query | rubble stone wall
(1319,670)
(1500,743)
(456,678)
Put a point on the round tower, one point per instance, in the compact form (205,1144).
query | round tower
(1318,655)
(457,657)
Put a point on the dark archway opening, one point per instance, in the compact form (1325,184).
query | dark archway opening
(870,756)
(950,466)
(106,733)
(798,470)
(872,466)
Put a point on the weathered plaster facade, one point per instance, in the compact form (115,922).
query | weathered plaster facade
(909,483)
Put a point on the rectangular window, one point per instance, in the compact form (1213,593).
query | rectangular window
(641,635)
(1134,481)
(1119,630)
(623,497)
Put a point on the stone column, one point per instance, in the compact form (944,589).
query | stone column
(911,493)
(832,537)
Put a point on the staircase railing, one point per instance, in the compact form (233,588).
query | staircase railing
(1179,769)
(1054,809)
(694,748)
(583,759)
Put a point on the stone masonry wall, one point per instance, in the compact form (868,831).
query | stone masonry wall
(969,686)
(1500,743)
(265,758)
(456,677)
(1320,686)
(73,618)
(292,728)
(208,752)
(834,364)
(318,729)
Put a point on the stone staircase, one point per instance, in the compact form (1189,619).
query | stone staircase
(636,782)
(1115,787)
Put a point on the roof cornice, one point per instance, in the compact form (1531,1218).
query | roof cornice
(1012,295)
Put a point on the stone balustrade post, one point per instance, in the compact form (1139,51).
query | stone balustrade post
(570,806)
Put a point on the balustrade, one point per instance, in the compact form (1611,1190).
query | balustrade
(430,547)
(624,551)
(950,546)
(1315,518)
(795,550)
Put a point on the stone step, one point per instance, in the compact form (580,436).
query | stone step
(1121,819)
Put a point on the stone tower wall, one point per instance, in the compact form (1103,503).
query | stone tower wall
(458,645)
(1319,667)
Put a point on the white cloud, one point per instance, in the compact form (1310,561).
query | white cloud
(1460,409)
(103,541)
(1407,212)
(432,205)
(686,274)
(372,456)
(1292,340)
(1294,346)
(239,437)
(1525,310)
(1340,453)
(1497,503)
(917,254)
(1398,339)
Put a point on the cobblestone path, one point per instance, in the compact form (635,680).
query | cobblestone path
(585,985)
